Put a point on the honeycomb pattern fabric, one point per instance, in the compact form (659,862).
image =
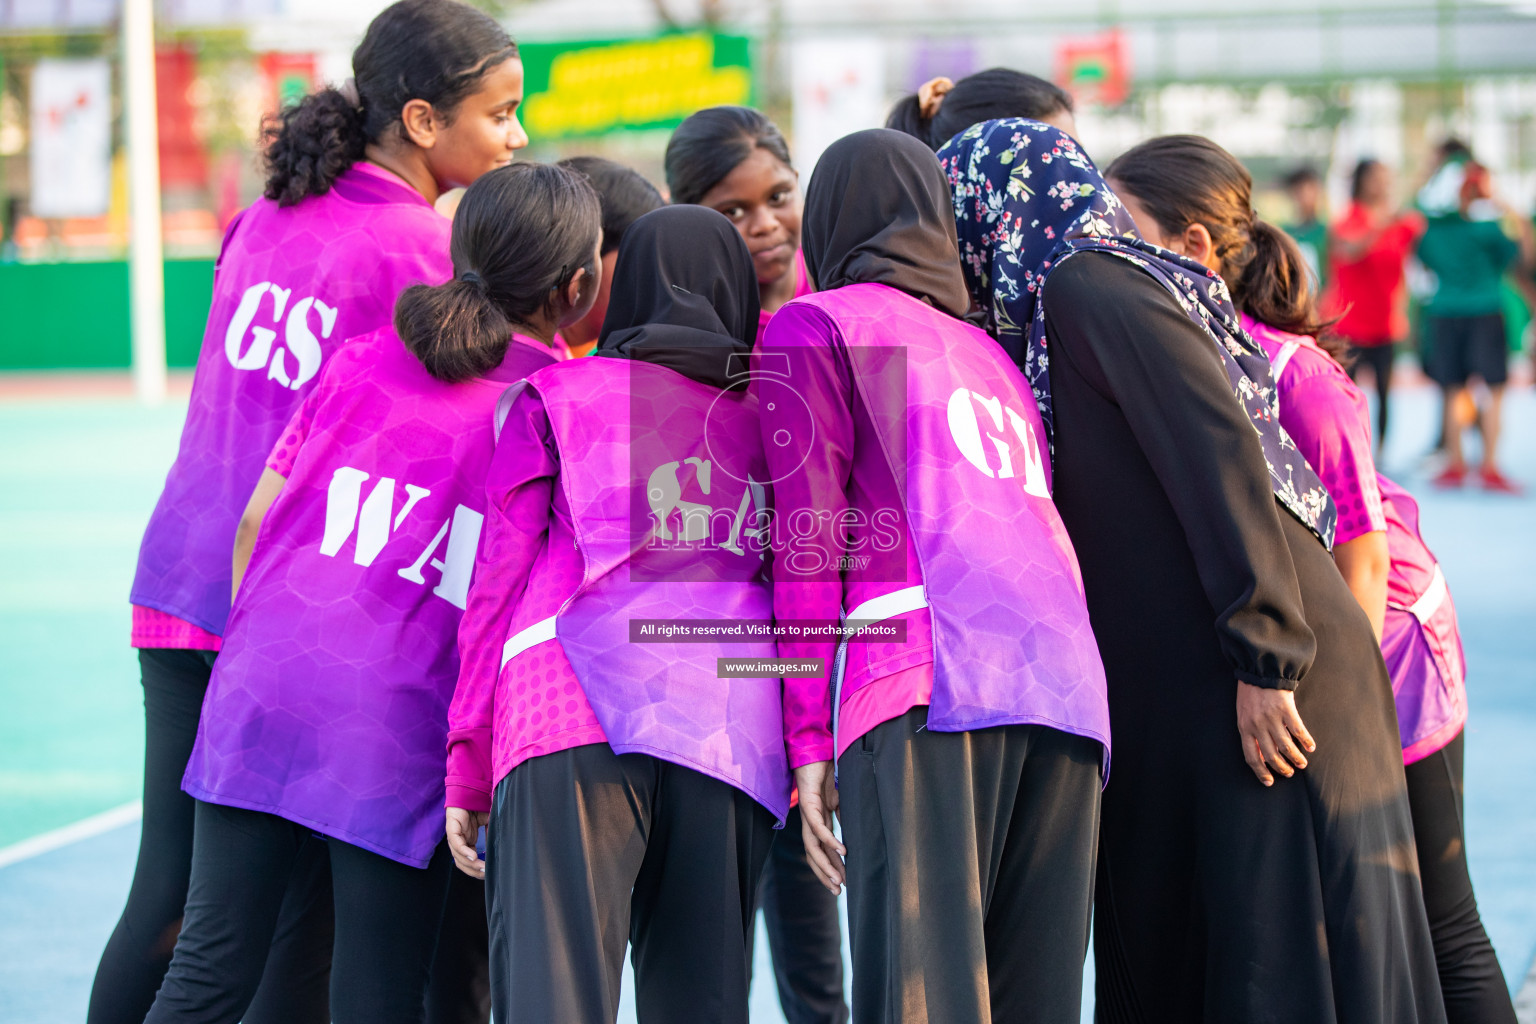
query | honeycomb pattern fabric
(290,285)
(153,628)
(666,699)
(329,703)
(954,424)
(840,546)
(527,567)
(627,444)
(1323,410)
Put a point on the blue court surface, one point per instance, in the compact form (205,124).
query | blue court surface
(79,474)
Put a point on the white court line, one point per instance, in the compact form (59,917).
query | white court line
(95,825)
(1525,999)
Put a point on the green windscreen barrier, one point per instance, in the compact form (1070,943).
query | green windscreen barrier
(74,316)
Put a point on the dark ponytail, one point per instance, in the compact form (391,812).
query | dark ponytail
(1277,288)
(519,236)
(311,144)
(1187,179)
(907,117)
(984,96)
(432,50)
(709,144)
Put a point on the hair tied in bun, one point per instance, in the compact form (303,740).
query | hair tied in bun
(930,95)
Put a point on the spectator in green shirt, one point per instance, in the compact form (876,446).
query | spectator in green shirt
(1305,187)
(1468,252)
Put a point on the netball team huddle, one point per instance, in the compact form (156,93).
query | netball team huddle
(1087,604)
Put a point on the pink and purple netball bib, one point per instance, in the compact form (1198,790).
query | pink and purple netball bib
(664,477)
(329,703)
(291,284)
(1325,413)
(1011,637)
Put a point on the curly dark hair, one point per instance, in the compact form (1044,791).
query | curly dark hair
(433,50)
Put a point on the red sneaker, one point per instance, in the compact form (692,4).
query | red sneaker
(1450,476)
(1493,480)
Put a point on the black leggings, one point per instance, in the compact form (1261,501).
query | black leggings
(970,871)
(1379,359)
(804,933)
(1474,987)
(139,950)
(387,919)
(460,989)
(588,850)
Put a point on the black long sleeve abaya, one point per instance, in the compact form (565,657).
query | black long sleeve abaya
(1220,900)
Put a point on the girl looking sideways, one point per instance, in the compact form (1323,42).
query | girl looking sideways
(327,713)
(345,224)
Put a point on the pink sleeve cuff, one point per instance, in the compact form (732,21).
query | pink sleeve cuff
(467,794)
(810,753)
(469,768)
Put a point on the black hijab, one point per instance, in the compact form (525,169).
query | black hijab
(684,295)
(878,210)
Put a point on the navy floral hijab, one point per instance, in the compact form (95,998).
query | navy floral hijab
(1026,198)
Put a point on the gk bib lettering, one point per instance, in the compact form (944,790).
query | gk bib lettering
(965,427)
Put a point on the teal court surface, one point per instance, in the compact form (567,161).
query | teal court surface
(80,470)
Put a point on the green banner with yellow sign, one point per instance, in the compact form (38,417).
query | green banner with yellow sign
(595,87)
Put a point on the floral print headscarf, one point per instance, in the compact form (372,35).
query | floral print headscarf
(1026,198)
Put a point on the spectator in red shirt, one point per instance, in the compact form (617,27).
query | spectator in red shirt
(1366,252)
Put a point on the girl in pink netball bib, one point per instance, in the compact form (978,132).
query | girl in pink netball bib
(631,787)
(735,160)
(346,223)
(967,722)
(327,710)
